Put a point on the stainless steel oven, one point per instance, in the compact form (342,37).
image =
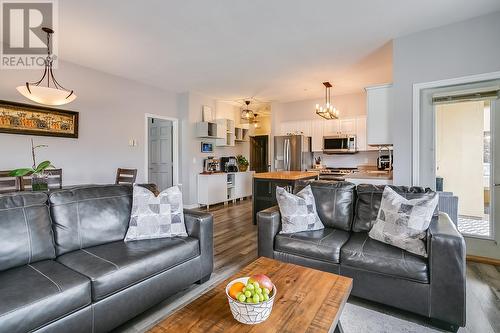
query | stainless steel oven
(340,144)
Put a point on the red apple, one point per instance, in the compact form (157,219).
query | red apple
(263,280)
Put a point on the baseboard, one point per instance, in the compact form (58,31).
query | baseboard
(484,260)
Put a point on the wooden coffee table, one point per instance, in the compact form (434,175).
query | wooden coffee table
(308,300)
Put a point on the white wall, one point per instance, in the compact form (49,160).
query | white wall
(111,112)
(460,49)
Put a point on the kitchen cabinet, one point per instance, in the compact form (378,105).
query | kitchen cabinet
(212,188)
(317,127)
(378,108)
(221,187)
(207,130)
(296,127)
(361,133)
(347,126)
(331,127)
(243,184)
(225,130)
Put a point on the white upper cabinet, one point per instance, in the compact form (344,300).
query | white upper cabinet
(378,106)
(361,132)
(225,130)
(317,127)
(331,127)
(347,126)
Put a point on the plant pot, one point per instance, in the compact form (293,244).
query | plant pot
(40,182)
(243,168)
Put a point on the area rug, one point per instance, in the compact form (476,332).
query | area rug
(357,319)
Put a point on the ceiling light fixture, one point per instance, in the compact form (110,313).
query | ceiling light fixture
(49,95)
(328,112)
(246,113)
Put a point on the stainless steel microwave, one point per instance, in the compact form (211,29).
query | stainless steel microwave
(340,144)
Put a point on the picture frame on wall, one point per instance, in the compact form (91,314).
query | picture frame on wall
(27,119)
(206,113)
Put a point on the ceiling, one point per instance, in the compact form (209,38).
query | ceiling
(274,50)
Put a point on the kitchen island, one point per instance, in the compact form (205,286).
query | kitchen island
(370,177)
(265,183)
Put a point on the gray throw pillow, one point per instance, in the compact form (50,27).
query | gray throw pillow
(298,212)
(402,222)
(156,216)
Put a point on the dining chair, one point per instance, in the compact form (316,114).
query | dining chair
(8,183)
(125,176)
(54,180)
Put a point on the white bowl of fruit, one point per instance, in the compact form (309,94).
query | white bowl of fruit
(251,298)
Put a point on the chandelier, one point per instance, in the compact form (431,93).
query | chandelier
(328,112)
(53,93)
(246,113)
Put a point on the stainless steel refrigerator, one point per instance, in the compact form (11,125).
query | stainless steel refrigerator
(292,153)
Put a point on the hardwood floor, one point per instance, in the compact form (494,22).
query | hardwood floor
(235,245)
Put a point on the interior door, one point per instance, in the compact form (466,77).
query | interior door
(160,153)
(259,153)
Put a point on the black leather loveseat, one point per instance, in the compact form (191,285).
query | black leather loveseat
(64,266)
(433,287)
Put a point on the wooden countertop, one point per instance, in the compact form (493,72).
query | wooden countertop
(369,175)
(286,175)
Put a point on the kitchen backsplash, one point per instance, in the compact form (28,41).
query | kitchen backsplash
(348,160)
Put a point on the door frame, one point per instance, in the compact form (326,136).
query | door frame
(483,247)
(175,146)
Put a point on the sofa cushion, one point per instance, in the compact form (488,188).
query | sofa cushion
(368,199)
(334,202)
(156,215)
(89,216)
(321,244)
(368,254)
(403,223)
(25,229)
(118,265)
(298,212)
(36,294)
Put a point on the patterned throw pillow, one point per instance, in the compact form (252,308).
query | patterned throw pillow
(298,212)
(156,216)
(402,222)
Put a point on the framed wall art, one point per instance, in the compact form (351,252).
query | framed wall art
(27,119)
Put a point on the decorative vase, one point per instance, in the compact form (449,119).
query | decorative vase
(40,181)
(243,168)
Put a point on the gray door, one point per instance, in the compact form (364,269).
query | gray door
(160,153)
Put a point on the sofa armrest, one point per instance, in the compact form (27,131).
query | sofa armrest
(268,226)
(447,271)
(200,225)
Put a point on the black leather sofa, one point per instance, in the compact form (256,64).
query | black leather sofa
(433,287)
(64,266)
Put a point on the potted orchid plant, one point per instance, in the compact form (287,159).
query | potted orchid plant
(38,172)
